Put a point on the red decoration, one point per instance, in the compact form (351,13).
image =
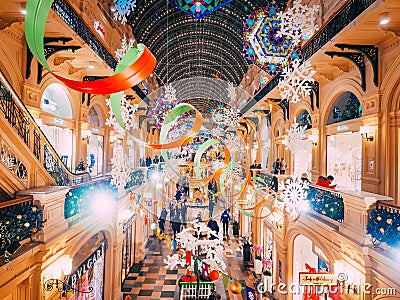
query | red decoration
(188,258)
(214,275)
(146,220)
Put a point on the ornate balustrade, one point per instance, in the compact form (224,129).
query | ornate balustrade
(384,225)
(136,179)
(18,116)
(326,202)
(19,219)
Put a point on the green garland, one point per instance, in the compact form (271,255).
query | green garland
(325,203)
(19,222)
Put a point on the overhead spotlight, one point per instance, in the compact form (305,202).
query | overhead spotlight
(91,65)
(112,8)
(23,11)
(384,18)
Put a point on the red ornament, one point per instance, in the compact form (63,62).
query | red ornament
(214,275)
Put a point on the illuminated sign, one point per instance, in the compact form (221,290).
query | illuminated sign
(99,29)
(317,279)
(57,121)
(342,127)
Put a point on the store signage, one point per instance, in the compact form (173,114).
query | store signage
(57,121)
(89,276)
(95,130)
(317,279)
(99,29)
(342,127)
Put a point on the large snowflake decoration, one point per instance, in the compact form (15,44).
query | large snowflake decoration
(218,132)
(120,170)
(199,8)
(261,44)
(294,195)
(295,136)
(122,9)
(127,113)
(125,46)
(158,109)
(298,22)
(231,90)
(172,261)
(295,85)
(232,141)
(169,92)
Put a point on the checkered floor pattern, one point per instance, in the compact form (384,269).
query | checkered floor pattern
(151,280)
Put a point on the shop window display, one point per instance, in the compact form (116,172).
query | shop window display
(305,119)
(61,140)
(95,154)
(344,160)
(55,101)
(346,107)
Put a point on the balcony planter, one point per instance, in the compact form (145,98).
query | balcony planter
(258,266)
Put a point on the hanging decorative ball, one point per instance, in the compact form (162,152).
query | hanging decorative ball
(19,217)
(382,230)
(214,274)
(389,221)
(236,287)
(153,226)
(128,297)
(379,218)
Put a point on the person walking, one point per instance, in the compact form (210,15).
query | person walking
(225,218)
(184,212)
(176,226)
(161,220)
(276,167)
(283,166)
(213,225)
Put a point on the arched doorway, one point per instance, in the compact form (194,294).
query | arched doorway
(344,141)
(56,110)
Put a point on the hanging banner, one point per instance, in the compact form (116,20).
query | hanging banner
(87,280)
(250,293)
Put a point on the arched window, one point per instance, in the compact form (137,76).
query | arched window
(346,107)
(55,101)
(304,119)
(95,117)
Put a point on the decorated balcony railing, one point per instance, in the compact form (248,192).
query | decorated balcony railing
(326,202)
(18,116)
(79,199)
(347,14)
(20,219)
(384,225)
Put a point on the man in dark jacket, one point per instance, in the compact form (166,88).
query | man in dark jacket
(176,226)
(225,218)
(161,220)
(213,225)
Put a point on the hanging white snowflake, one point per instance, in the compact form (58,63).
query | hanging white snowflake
(295,136)
(295,85)
(125,46)
(122,9)
(120,170)
(294,196)
(298,22)
(232,141)
(127,113)
(169,92)
(235,173)
(172,261)
(218,132)
(227,116)
(231,90)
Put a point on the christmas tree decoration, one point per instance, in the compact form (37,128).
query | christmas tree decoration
(294,196)
(298,22)
(200,8)
(295,85)
(172,261)
(295,136)
(125,46)
(261,44)
(122,9)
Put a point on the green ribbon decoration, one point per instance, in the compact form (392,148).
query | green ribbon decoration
(202,149)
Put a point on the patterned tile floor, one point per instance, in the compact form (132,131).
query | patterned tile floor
(151,280)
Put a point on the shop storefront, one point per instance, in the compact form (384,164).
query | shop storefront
(95,142)
(303,158)
(56,121)
(344,142)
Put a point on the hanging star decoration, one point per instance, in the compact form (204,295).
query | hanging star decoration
(295,136)
(261,44)
(128,116)
(122,9)
(295,85)
(298,22)
(294,196)
(120,170)
(125,46)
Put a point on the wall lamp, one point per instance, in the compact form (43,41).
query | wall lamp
(384,18)
(364,130)
(85,135)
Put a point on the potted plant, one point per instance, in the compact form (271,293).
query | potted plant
(258,266)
